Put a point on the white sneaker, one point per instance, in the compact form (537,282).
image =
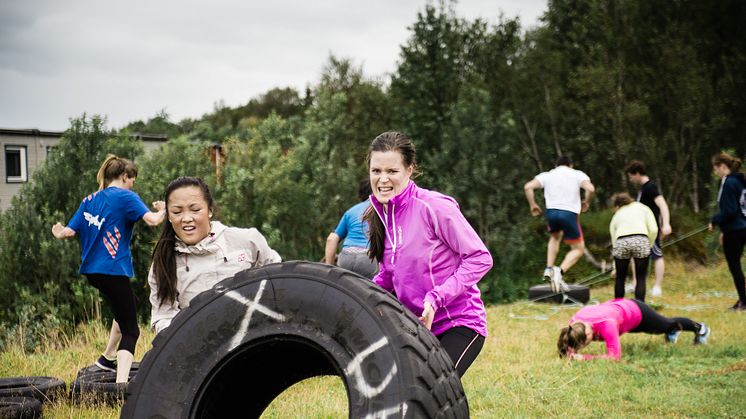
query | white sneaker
(656,291)
(557,282)
(548,274)
(630,287)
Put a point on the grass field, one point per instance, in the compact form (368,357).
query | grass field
(518,373)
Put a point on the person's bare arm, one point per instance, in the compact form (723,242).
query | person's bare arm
(665,215)
(153,218)
(331,248)
(528,189)
(61,232)
(589,190)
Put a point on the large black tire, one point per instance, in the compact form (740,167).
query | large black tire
(20,408)
(95,385)
(242,343)
(41,388)
(544,294)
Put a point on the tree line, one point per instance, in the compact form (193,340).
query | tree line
(489,105)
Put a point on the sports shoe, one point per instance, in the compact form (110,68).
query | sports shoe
(106,364)
(738,306)
(700,338)
(548,274)
(672,337)
(656,291)
(630,287)
(558,285)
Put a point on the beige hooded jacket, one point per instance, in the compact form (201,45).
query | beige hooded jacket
(223,253)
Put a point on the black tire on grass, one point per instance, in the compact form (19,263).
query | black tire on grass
(242,343)
(20,408)
(93,369)
(99,386)
(41,388)
(543,294)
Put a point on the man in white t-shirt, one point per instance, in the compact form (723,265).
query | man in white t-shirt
(562,187)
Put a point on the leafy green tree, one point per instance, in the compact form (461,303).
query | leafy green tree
(430,75)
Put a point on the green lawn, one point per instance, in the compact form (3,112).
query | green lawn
(518,374)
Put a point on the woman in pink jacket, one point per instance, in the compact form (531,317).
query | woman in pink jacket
(429,255)
(607,321)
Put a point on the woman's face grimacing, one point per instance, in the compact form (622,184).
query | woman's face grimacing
(388,175)
(189,214)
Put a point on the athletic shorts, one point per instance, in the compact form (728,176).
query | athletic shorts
(656,252)
(566,221)
(635,246)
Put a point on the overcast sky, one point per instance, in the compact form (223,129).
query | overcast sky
(130,59)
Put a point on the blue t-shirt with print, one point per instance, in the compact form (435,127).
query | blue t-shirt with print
(351,227)
(104,223)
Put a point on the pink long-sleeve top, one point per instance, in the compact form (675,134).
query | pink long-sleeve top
(432,254)
(610,320)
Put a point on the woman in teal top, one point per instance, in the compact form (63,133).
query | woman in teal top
(354,231)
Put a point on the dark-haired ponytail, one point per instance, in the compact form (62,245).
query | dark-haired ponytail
(164,264)
(377,234)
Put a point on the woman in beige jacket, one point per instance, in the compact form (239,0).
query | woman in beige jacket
(194,253)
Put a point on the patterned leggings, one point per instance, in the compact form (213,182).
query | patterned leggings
(626,248)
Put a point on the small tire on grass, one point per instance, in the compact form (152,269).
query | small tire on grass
(20,408)
(242,343)
(93,369)
(99,386)
(543,294)
(41,388)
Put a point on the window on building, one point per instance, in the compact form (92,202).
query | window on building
(15,164)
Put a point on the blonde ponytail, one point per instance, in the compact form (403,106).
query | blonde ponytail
(112,168)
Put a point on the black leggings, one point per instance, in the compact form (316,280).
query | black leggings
(117,292)
(655,324)
(641,270)
(462,345)
(733,243)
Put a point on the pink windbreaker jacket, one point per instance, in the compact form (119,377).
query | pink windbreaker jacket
(433,254)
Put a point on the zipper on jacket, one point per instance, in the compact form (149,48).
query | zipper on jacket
(393,242)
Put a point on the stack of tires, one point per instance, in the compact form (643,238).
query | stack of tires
(95,385)
(22,397)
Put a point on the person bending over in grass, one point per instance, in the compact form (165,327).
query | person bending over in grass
(194,253)
(607,321)
(104,223)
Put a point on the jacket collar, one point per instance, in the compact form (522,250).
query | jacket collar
(399,201)
(206,245)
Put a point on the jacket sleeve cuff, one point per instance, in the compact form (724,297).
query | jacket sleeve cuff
(432,298)
(161,324)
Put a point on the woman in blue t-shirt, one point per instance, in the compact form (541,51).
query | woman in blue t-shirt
(354,231)
(104,223)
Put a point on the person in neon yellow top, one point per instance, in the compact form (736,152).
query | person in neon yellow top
(633,231)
